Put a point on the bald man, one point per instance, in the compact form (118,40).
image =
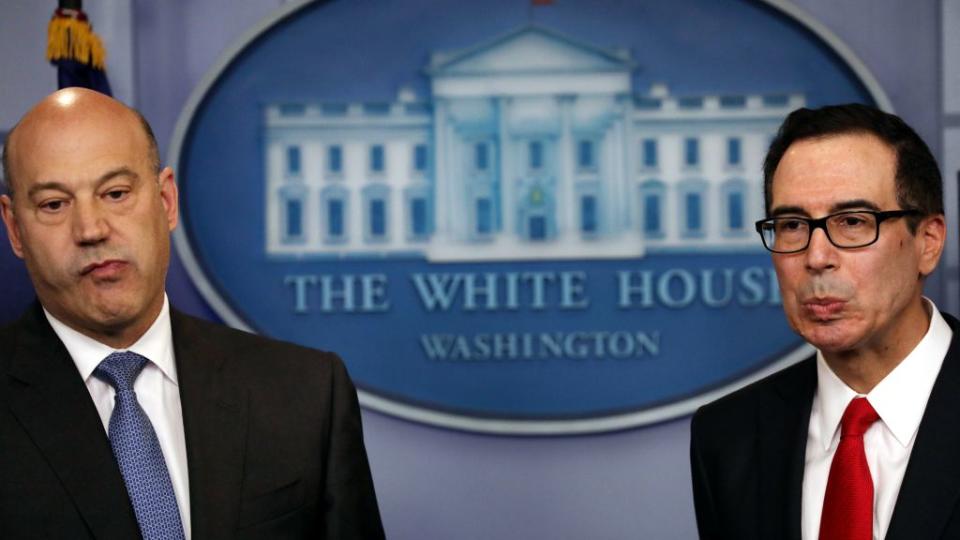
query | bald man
(119,416)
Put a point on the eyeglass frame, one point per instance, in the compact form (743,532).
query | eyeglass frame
(821,223)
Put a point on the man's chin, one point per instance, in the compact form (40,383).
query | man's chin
(831,338)
(109,317)
(116,316)
(832,348)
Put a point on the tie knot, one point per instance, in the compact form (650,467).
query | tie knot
(858,417)
(120,370)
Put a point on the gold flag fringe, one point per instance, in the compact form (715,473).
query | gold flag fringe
(72,39)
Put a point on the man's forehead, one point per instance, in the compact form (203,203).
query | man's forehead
(822,172)
(62,145)
(58,128)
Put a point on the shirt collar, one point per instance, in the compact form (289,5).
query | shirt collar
(156,344)
(901,397)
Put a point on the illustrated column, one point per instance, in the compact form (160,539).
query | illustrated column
(565,192)
(441,179)
(508,184)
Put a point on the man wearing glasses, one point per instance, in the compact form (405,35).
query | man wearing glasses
(862,440)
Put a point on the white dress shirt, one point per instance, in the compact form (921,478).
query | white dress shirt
(900,399)
(156,388)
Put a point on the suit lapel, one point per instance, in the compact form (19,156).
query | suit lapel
(782,450)
(214,423)
(49,399)
(931,484)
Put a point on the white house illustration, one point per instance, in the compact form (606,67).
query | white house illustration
(531,146)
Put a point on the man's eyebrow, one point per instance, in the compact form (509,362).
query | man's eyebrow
(854,204)
(105,177)
(781,210)
(59,186)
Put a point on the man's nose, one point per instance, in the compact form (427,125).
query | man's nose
(821,254)
(90,224)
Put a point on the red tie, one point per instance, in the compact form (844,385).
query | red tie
(848,502)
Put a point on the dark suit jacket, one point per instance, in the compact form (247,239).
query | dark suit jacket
(747,453)
(273,436)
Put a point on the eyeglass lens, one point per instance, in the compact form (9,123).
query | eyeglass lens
(850,229)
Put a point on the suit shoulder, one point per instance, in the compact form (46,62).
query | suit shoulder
(746,402)
(31,323)
(9,332)
(248,348)
(9,337)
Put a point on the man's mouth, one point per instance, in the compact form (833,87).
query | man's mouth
(104,269)
(824,308)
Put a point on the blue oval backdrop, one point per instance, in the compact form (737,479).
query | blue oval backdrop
(506,216)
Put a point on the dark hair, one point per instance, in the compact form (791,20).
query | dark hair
(918,181)
(153,152)
(152,149)
(5,184)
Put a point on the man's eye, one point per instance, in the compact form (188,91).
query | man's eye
(788,225)
(116,194)
(853,221)
(51,206)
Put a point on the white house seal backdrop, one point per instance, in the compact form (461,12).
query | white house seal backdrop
(506,218)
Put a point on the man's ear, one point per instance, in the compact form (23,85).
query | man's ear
(168,196)
(10,222)
(931,235)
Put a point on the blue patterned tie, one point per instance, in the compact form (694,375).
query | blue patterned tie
(138,453)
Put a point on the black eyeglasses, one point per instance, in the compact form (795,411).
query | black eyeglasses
(851,229)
